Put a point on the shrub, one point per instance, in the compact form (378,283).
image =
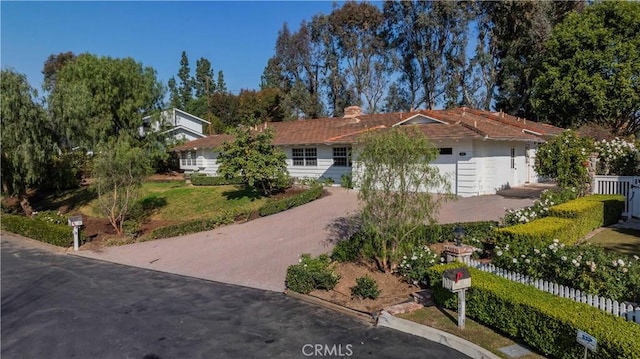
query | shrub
(366,287)
(537,233)
(540,208)
(196,225)
(346,180)
(280,205)
(613,205)
(311,273)
(545,322)
(565,158)
(42,230)
(590,269)
(617,157)
(203,180)
(414,265)
(348,250)
(326,181)
(568,222)
(357,246)
(589,213)
(51,217)
(145,207)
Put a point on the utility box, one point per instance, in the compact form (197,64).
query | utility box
(456,279)
(75,221)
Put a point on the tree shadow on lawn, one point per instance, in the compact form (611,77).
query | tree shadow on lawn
(620,240)
(241,192)
(65,201)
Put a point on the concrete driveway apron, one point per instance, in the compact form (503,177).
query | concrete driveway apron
(257,253)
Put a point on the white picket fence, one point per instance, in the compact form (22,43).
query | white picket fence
(619,185)
(624,310)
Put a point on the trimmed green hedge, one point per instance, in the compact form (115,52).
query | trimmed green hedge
(57,234)
(589,213)
(568,222)
(545,322)
(538,232)
(194,226)
(280,205)
(214,181)
(613,205)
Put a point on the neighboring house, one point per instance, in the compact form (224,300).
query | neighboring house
(176,123)
(480,151)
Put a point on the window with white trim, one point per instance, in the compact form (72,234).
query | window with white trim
(183,158)
(342,156)
(304,156)
(190,161)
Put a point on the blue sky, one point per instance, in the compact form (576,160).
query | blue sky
(237,37)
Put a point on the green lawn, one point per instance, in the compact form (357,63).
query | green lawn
(625,241)
(447,321)
(180,201)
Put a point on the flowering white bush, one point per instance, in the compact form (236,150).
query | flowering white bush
(414,265)
(617,157)
(588,268)
(540,207)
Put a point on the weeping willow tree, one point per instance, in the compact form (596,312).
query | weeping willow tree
(27,144)
(395,177)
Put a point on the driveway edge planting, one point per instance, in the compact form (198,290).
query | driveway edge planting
(463,346)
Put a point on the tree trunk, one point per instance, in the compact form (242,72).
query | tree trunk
(26,206)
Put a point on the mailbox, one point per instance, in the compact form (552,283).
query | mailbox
(75,221)
(456,279)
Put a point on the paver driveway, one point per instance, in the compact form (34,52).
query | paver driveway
(257,253)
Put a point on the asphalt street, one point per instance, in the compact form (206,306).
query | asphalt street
(60,306)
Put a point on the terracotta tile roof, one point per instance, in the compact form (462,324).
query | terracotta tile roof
(458,123)
(212,141)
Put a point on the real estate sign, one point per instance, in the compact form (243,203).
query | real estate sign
(587,340)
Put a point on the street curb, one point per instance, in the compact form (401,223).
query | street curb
(464,346)
(332,306)
(30,242)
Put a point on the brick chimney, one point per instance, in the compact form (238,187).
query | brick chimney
(352,111)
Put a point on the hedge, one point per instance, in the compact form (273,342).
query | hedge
(280,205)
(589,213)
(438,233)
(613,205)
(214,181)
(538,232)
(545,322)
(196,225)
(568,222)
(57,234)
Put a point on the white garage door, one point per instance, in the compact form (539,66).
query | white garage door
(446,163)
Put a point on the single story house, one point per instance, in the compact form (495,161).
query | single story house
(178,124)
(480,151)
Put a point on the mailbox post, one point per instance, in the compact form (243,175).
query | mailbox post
(458,280)
(75,222)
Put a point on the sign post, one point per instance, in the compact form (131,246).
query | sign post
(75,222)
(589,342)
(458,281)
